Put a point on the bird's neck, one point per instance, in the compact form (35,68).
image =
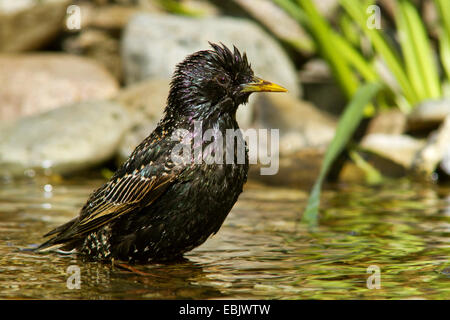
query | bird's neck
(221,115)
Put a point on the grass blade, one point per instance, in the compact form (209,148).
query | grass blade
(412,64)
(323,34)
(348,123)
(416,40)
(444,39)
(357,13)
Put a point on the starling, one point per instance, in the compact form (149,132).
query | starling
(155,208)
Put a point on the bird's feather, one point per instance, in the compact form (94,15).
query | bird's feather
(128,190)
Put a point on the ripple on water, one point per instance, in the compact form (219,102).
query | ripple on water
(260,252)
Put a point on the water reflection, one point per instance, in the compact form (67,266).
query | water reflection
(260,252)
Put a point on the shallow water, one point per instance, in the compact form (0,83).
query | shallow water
(259,253)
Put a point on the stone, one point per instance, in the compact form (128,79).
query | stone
(388,122)
(153,44)
(145,102)
(429,114)
(445,163)
(401,149)
(327,8)
(108,17)
(99,46)
(300,123)
(30,24)
(34,83)
(63,140)
(320,88)
(279,22)
(304,134)
(353,173)
(299,170)
(435,151)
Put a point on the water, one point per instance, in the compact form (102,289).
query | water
(259,253)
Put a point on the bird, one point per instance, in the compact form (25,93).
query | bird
(157,206)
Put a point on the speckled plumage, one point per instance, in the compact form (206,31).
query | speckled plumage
(153,208)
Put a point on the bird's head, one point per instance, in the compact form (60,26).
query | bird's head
(214,80)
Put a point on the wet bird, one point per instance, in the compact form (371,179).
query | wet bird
(156,207)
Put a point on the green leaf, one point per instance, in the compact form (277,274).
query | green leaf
(347,125)
(358,13)
(323,34)
(416,48)
(443,7)
(373,176)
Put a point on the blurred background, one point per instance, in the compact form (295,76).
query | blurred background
(83,82)
(368,111)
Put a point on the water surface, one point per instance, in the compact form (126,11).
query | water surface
(260,252)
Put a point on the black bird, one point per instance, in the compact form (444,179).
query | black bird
(155,207)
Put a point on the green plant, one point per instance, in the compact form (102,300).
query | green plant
(413,66)
(347,125)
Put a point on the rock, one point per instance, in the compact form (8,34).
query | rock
(429,114)
(279,22)
(320,88)
(400,149)
(435,151)
(145,102)
(327,8)
(108,16)
(30,24)
(34,83)
(154,44)
(304,134)
(99,46)
(301,125)
(63,140)
(445,163)
(388,122)
(299,169)
(388,168)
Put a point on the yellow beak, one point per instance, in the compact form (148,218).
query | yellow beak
(260,85)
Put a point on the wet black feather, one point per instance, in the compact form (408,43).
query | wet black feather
(152,208)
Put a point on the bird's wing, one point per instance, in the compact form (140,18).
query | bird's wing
(114,199)
(129,189)
(122,195)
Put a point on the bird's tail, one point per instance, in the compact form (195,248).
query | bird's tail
(59,240)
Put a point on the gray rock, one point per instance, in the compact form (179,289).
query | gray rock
(429,114)
(145,102)
(445,163)
(401,149)
(34,83)
(320,88)
(154,44)
(97,45)
(435,151)
(63,140)
(301,125)
(278,22)
(30,24)
(300,169)
(391,121)
(304,134)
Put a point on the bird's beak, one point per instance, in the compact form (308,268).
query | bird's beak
(260,85)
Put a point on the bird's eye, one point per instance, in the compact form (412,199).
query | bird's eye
(222,80)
